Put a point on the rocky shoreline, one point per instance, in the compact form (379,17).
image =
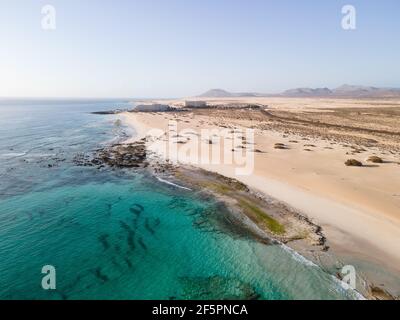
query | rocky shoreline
(132,155)
(263,218)
(274,219)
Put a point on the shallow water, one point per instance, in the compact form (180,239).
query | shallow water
(120,234)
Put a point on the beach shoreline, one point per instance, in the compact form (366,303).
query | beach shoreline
(347,239)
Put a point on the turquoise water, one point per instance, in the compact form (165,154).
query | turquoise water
(120,234)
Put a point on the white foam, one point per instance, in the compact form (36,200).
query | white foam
(298,257)
(172,184)
(13,154)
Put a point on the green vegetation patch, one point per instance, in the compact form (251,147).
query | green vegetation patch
(269,222)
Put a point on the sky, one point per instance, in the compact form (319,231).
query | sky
(177,48)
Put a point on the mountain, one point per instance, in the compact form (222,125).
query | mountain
(307,92)
(344,91)
(217,93)
(364,91)
(220,93)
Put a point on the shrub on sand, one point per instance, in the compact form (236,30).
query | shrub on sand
(279,146)
(353,163)
(375,159)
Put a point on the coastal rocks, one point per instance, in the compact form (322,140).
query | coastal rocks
(108,112)
(250,213)
(131,155)
(378,293)
(155,107)
(126,156)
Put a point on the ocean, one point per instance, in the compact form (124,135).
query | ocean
(118,233)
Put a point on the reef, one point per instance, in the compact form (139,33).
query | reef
(131,155)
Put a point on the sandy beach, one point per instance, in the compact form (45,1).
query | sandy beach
(299,148)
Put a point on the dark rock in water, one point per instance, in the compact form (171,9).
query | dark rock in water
(135,222)
(131,155)
(139,206)
(135,211)
(131,234)
(148,227)
(103,240)
(97,272)
(177,202)
(74,283)
(157,222)
(109,208)
(115,263)
(129,263)
(62,295)
(131,242)
(220,220)
(125,226)
(142,244)
(107,112)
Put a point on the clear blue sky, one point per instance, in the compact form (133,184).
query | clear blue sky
(172,48)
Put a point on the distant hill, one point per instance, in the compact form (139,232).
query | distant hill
(344,91)
(220,93)
(216,93)
(363,91)
(307,92)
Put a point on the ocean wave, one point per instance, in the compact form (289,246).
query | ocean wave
(298,257)
(13,155)
(172,184)
(356,294)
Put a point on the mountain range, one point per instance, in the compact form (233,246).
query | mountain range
(219,93)
(344,91)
